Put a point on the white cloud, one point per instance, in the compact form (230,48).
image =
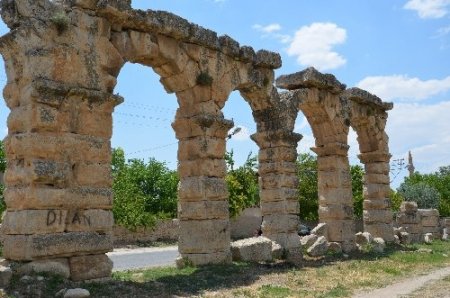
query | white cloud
(403,87)
(272,30)
(312,45)
(305,144)
(242,135)
(423,129)
(268,29)
(429,9)
(441,32)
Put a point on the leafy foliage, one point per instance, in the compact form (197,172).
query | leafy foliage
(357,173)
(424,195)
(242,184)
(439,181)
(307,188)
(396,200)
(142,191)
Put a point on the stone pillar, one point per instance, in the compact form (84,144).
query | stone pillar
(335,194)
(58,178)
(377,214)
(202,193)
(278,189)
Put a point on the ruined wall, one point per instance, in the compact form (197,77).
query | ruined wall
(62,59)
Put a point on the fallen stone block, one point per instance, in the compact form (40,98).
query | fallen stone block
(428,238)
(320,230)
(334,247)
(378,245)
(363,238)
(256,249)
(307,241)
(319,248)
(77,293)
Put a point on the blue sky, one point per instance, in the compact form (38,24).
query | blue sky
(397,49)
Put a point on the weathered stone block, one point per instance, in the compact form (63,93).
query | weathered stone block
(201,188)
(277,153)
(28,222)
(378,245)
(320,230)
(206,167)
(277,167)
(30,247)
(203,210)
(93,174)
(256,249)
(204,236)
(289,241)
(307,241)
(428,212)
(334,247)
(408,218)
(363,238)
(200,148)
(377,168)
(430,221)
(275,195)
(319,248)
(377,204)
(52,266)
(53,198)
(91,220)
(335,212)
(341,230)
(408,207)
(376,191)
(380,230)
(271,181)
(280,207)
(279,223)
(5,276)
(204,259)
(332,163)
(376,178)
(377,216)
(413,228)
(90,267)
(334,179)
(335,196)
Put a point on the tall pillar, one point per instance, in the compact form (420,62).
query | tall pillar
(58,178)
(278,189)
(204,236)
(377,214)
(335,193)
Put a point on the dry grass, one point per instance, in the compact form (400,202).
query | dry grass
(332,276)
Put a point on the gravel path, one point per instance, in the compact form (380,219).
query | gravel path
(407,286)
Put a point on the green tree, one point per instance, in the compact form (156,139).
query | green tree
(307,187)
(142,191)
(424,195)
(439,181)
(242,183)
(357,173)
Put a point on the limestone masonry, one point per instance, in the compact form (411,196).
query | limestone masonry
(62,60)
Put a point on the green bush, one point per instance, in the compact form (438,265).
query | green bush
(357,173)
(242,184)
(143,191)
(424,195)
(307,187)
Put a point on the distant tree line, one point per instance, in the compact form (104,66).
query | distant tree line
(147,191)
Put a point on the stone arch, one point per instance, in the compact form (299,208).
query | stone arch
(61,75)
(318,96)
(368,116)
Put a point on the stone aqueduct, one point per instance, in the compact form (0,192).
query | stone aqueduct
(62,59)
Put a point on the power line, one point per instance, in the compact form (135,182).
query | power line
(152,149)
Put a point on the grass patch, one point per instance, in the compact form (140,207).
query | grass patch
(331,276)
(271,291)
